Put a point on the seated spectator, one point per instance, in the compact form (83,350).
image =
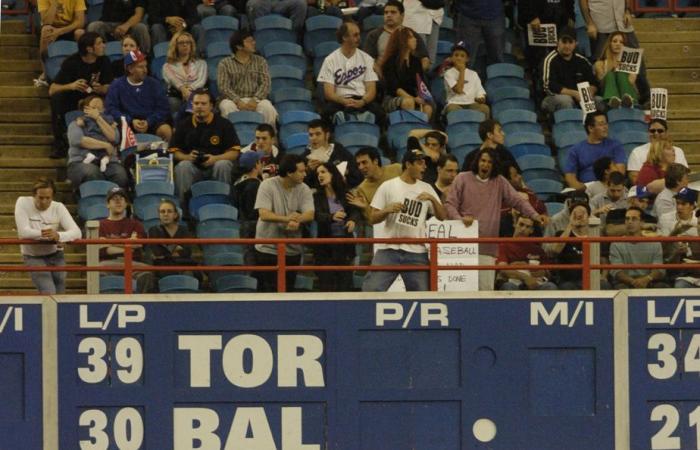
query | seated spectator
(561,219)
(204,146)
(129,44)
(369,164)
(284,205)
(682,222)
(349,82)
(638,197)
(523,253)
(602,168)
(533,13)
(636,253)
(562,70)
(183,71)
(294,9)
(217,7)
(94,142)
(675,180)
(434,145)
(329,8)
(404,76)
(40,218)
(118,225)
(425,18)
(81,74)
(376,41)
(493,137)
(658,130)
(447,168)
(509,216)
(170,228)
(243,194)
(265,145)
(320,150)
(615,197)
(120,18)
(579,163)
(335,218)
(140,99)
(61,20)
(619,88)
(398,202)
(244,79)
(463,85)
(653,171)
(482,23)
(167,17)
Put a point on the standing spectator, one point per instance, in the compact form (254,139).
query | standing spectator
(447,168)
(636,253)
(129,44)
(347,74)
(167,17)
(42,219)
(140,99)
(602,168)
(403,204)
(434,145)
(676,179)
(244,193)
(122,17)
(661,155)
(284,204)
(533,13)
(619,88)
(98,134)
(335,218)
(118,225)
(294,9)
(370,166)
(183,71)
(174,254)
(571,252)
(493,137)
(658,130)
(463,85)
(523,253)
(204,146)
(480,195)
(425,18)
(378,38)
(320,150)
(579,163)
(604,17)
(615,197)
(482,23)
(61,20)
(265,145)
(562,70)
(244,79)
(81,74)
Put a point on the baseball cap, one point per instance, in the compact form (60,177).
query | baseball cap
(639,191)
(133,56)
(116,191)
(567,33)
(459,46)
(414,155)
(247,160)
(687,195)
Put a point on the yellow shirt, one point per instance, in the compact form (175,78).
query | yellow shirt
(65,12)
(367,188)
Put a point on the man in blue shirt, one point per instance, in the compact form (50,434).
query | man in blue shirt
(579,163)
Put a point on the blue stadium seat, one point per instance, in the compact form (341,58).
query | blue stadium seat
(96,188)
(568,115)
(626,126)
(94,212)
(536,162)
(217,212)
(633,137)
(236,283)
(114,284)
(219,28)
(178,284)
(245,117)
(626,114)
(160,50)
(463,127)
(298,116)
(212,253)
(447,31)
(522,127)
(504,70)
(354,141)
(296,140)
(94,12)
(320,28)
(354,127)
(562,156)
(372,22)
(512,103)
(437,88)
(320,52)
(444,49)
(461,139)
(57,52)
(294,105)
(553,207)
(404,116)
(299,94)
(529,149)
(545,189)
(510,92)
(462,151)
(524,138)
(517,115)
(217,50)
(465,115)
(208,192)
(562,129)
(284,77)
(285,53)
(273,28)
(113,50)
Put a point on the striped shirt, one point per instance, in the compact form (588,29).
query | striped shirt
(237,80)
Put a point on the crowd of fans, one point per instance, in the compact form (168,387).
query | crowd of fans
(340,193)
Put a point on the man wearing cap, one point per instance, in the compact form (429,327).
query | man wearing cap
(463,85)
(658,130)
(402,205)
(562,70)
(42,219)
(681,222)
(676,179)
(534,13)
(243,195)
(140,99)
(204,146)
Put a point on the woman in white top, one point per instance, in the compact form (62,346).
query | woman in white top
(183,71)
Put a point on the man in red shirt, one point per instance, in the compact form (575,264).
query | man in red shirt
(523,253)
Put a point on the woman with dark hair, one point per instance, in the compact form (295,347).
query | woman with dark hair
(403,75)
(619,88)
(335,217)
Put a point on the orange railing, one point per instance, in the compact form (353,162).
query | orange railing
(664,7)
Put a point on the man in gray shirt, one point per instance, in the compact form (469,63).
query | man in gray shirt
(284,203)
(615,197)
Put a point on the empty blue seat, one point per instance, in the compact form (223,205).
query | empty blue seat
(633,137)
(94,212)
(511,92)
(273,28)
(285,53)
(373,21)
(114,284)
(174,284)
(568,115)
(298,116)
(522,127)
(447,31)
(444,49)
(545,188)
(462,127)
(461,152)
(57,52)
(236,283)
(465,115)
(504,70)
(113,50)
(536,162)
(273,21)
(294,105)
(397,134)
(208,192)
(460,139)
(296,140)
(517,115)
(290,94)
(245,117)
(354,127)
(160,50)
(320,28)
(354,141)
(217,50)
(572,137)
(617,114)
(320,52)
(96,188)
(512,103)
(521,150)
(217,211)
(625,126)
(219,28)
(524,138)
(284,77)
(405,116)
(562,156)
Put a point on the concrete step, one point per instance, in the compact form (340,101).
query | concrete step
(23,91)
(678,50)
(25,128)
(22,163)
(13,27)
(24,151)
(34,173)
(19,40)
(660,62)
(19,52)
(25,117)
(691,149)
(25,187)
(683,101)
(669,25)
(658,77)
(675,114)
(25,104)
(14,139)
(18,78)
(646,37)
(682,87)
(21,65)
(682,134)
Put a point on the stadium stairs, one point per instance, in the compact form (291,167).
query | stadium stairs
(25,145)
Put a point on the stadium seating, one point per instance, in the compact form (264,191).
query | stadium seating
(355,127)
(284,77)
(319,29)
(568,115)
(178,284)
(465,115)
(114,284)
(113,50)
(320,52)
(355,141)
(285,54)
(56,53)
(219,28)
(273,28)
(296,143)
(208,192)
(236,283)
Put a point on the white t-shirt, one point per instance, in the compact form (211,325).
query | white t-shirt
(348,75)
(420,18)
(472,87)
(639,156)
(410,222)
(668,221)
(30,221)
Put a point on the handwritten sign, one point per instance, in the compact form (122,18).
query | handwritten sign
(546,36)
(587,101)
(630,60)
(659,103)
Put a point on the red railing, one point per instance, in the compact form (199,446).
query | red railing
(664,6)
(128,268)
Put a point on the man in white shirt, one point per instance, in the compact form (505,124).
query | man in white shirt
(658,130)
(348,77)
(40,218)
(462,85)
(403,204)
(676,179)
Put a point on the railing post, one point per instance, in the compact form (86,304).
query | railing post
(281,268)
(433,266)
(594,225)
(93,257)
(128,266)
(586,260)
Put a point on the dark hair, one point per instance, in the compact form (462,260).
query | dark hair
(133,38)
(171,203)
(337,181)
(288,164)
(600,165)
(343,30)
(86,101)
(590,119)
(266,127)
(237,39)
(674,175)
(486,127)
(437,136)
(319,123)
(203,91)
(371,152)
(397,48)
(442,160)
(43,183)
(87,40)
(636,208)
(506,165)
(661,122)
(397,4)
(495,168)
(616,179)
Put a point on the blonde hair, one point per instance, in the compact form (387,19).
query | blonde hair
(173,54)
(607,53)
(656,151)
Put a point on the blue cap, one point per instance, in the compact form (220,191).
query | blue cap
(247,160)
(687,195)
(639,192)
